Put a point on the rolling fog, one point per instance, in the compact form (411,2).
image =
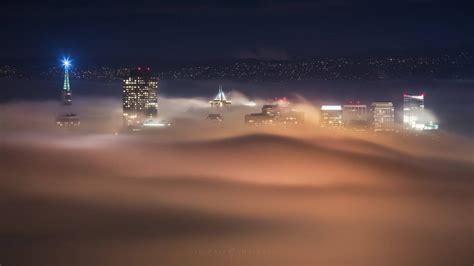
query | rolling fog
(223,194)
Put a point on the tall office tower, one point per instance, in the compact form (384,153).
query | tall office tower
(413,111)
(331,116)
(414,115)
(68,118)
(220,100)
(383,116)
(355,116)
(140,100)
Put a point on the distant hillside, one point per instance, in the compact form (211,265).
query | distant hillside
(458,65)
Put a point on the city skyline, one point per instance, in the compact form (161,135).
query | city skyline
(140,110)
(431,124)
(252,133)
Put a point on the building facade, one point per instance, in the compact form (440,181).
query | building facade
(354,116)
(413,109)
(383,116)
(139,98)
(331,116)
(415,116)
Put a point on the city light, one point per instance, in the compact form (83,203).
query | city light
(156,123)
(415,117)
(140,100)
(331,107)
(66,62)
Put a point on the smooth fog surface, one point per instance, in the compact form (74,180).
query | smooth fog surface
(200,193)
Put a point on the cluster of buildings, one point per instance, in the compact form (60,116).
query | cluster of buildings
(140,109)
(379,116)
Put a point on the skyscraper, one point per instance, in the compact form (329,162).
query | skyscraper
(68,118)
(354,116)
(383,116)
(139,98)
(415,116)
(331,116)
(413,108)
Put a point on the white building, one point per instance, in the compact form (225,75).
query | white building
(383,116)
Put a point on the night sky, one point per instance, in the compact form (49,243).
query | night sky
(187,32)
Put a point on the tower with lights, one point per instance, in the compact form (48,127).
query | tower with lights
(66,93)
(68,118)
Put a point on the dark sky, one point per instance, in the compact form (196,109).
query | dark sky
(173,32)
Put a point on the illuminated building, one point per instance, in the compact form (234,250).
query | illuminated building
(331,116)
(139,98)
(69,119)
(220,100)
(153,123)
(383,116)
(271,110)
(430,125)
(414,114)
(275,114)
(413,108)
(354,116)
(266,117)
